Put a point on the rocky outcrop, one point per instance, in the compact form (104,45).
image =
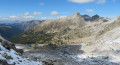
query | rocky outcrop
(8,45)
(3,62)
(9,55)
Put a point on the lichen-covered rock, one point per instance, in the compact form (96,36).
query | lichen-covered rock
(3,62)
(47,63)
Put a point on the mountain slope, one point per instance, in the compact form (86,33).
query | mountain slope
(50,30)
(68,30)
(28,25)
(56,25)
(25,26)
(9,31)
(8,55)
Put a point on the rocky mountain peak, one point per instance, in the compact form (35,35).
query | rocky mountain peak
(85,15)
(76,14)
(118,18)
(96,16)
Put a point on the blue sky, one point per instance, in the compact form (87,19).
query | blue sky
(42,9)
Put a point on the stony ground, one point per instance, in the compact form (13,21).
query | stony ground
(47,54)
(73,55)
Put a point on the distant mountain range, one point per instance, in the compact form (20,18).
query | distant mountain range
(95,18)
(10,30)
(25,26)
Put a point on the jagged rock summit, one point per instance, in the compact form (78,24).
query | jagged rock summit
(76,14)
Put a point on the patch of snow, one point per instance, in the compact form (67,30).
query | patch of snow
(1,57)
(18,60)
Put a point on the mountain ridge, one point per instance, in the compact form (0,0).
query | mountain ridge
(68,30)
(27,25)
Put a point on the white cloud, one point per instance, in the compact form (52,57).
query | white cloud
(101,1)
(88,1)
(18,17)
(54,13)
(26,14)
(89,10)
(28,17)
(12,16)
(41,3)
(81,1)
(37,13)
(61,16)
(4,18)
(44,18)
(22,17)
